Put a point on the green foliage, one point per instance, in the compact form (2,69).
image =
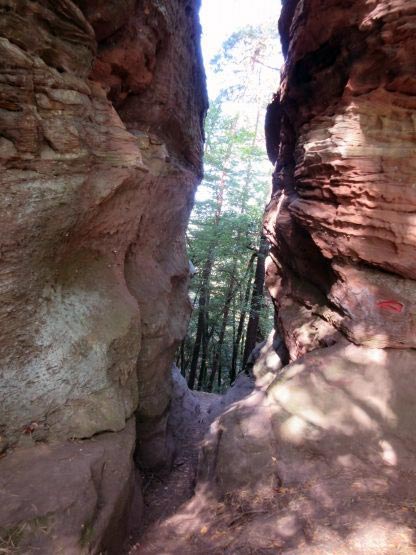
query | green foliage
(225,225)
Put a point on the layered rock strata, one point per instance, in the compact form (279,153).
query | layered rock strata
(101,114)
(342,133)
(331,436)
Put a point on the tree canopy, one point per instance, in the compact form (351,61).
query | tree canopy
(224,236)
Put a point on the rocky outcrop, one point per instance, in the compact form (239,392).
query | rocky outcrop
(341,220)
(318,459)
(101,111)
(150,64)
(330,437)
(72,498)
(93,259)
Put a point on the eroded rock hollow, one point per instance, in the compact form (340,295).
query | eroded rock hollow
(101,130)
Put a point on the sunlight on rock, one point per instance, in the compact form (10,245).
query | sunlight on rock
(362,418)
(382,406)
(388,454)
(192,517)
(287,526)
(374,485)
(381,538)
(349,461)
(377,355)
(293,429)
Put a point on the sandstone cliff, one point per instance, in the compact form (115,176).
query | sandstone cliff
(329,440)
(101,129)
(342,221)
(101,110)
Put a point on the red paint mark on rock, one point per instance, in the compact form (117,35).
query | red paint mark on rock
(393,306)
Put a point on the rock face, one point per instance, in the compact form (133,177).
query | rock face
(101,112)
(342,218)
(319,459)
(72,498)
(93,258)
(331,437)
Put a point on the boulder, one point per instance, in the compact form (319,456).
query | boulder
(321,458)
(72,498)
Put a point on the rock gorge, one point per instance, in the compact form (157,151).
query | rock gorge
(101,132)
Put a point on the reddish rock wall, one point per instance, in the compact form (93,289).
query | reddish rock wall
(342,218)
(324,447)
(101,112)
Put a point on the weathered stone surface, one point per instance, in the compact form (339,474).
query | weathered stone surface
(101,111)
(242,387)
(298,279)
(71,328)
(152,71)
(155,55)
(72,498)
(94,268)
(107,17)
(379,307)
(342,215)
(237,449)
(321,457)
(185,406)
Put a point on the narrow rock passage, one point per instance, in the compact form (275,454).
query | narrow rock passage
(184,516)
(260,494)
(164,496)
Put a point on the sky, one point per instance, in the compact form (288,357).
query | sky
(221,18)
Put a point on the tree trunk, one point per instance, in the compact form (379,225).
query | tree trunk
(227,305)
(197,344)
(241,322)
(256,301)
(182,358)
(203,368)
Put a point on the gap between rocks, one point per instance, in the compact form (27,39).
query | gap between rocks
(164,493)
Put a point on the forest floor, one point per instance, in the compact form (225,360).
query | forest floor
(165,495)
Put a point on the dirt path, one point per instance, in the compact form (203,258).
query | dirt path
(344,510)
(163,496)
